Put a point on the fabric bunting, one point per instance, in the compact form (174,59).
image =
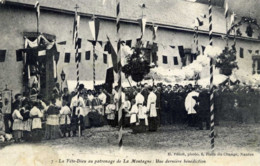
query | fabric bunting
(101,43)
(250,51)
(181,51)
(257,51)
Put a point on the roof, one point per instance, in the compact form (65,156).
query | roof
(180,13)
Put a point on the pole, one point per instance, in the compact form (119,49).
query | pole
(120,136)
(212,136)
(77,59)
(94,65)
(227,32)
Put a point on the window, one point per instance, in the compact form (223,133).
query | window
(105,58)
(175,60)
(67,58)
(87,55)
(165,61)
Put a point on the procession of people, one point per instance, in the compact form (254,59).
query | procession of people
(145,108)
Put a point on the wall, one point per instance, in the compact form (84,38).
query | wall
(15,21)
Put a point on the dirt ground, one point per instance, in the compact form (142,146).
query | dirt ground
(231,137)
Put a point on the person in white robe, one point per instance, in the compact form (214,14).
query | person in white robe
(190,102)
(151,106)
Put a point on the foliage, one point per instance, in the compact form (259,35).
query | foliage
(226,61)
(137,66)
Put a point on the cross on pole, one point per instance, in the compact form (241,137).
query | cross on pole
(76,7)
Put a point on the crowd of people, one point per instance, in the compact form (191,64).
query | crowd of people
(144,108)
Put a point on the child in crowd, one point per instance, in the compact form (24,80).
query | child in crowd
(17,125)
(36,116)
(65,115)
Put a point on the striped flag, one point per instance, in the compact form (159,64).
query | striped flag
(226,10)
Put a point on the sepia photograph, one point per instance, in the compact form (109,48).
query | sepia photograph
(129,82)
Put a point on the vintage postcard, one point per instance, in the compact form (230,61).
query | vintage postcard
(129,82)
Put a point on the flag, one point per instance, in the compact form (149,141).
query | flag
(198,22)
(87,55)
(101,43)
(75,27)
(232,18)
(257,51)
(94,28)
(37,6)
(67,58)
(142,23)
(241,53)
(250,51)
(226,10)
(114,56)
(2,55)
(181,51)
(203,49)
(155,28)
(107,48)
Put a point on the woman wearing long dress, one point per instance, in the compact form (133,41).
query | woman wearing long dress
(17,125)
(36,116)
(52,124)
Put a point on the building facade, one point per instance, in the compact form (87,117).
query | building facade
(175,21)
